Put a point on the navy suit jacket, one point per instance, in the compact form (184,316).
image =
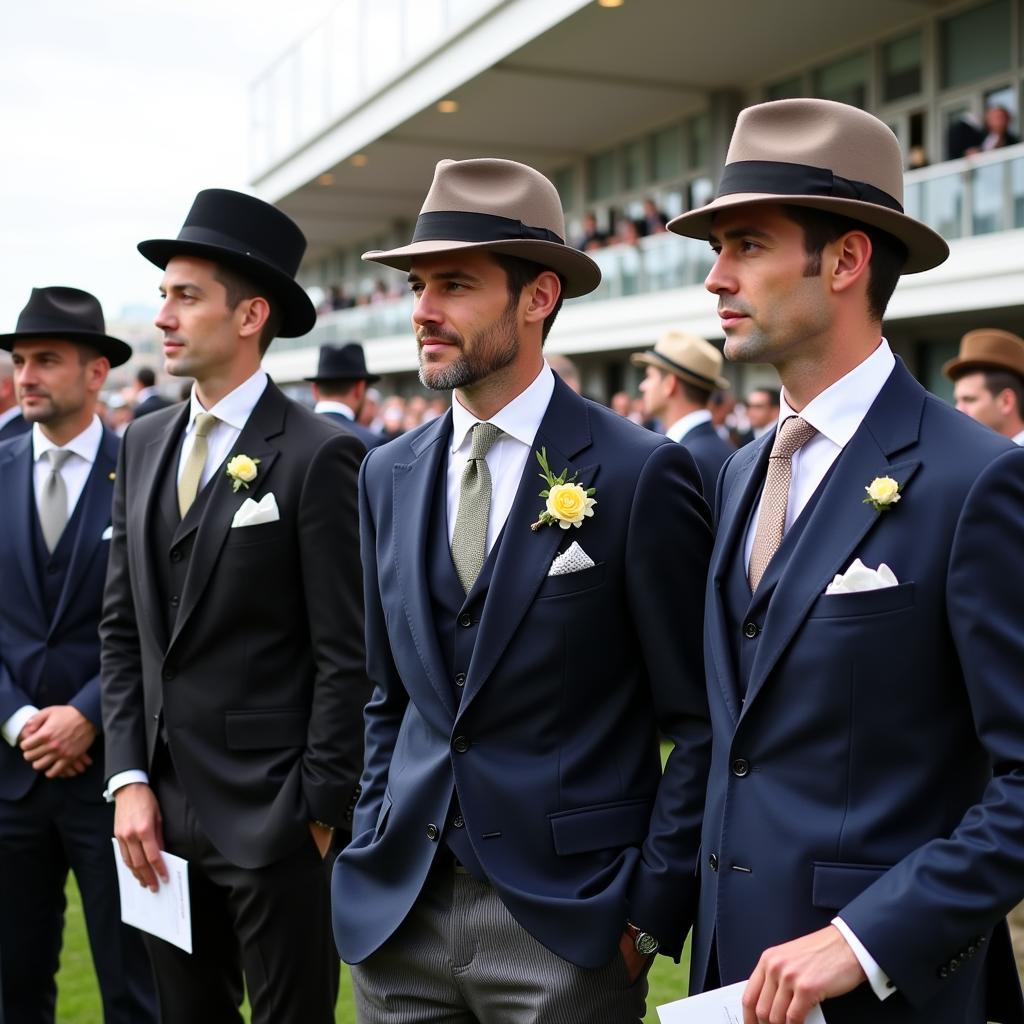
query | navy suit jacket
(370,438)
(14,427)
(710,453)
(874,766)
(571,680)
(45,662)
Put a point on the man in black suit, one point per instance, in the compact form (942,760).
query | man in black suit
(682,371)
(56,485)
(340,386)
(233,665)
(147,398)
(762,407)
(12,423)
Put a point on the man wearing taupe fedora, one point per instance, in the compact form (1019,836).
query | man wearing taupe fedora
(517,853)
(681,373)
(863,834)
(988,381)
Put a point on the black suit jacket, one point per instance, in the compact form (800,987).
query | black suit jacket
(709,451)
(152,404)
(370,438)
(260,686)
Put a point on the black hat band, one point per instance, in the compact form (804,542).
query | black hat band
(236,246)
(459,226)
(709,381)
(778,178)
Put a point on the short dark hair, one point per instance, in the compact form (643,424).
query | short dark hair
(146,377)
(87,353)
(888,253)
(520,273)
(692,393)
(774,399)
(998,381)
(238,288)
(336,388)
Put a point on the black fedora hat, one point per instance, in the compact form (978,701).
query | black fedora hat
(342,362)
(70,314)
(250,236)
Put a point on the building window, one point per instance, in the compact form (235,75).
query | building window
(601,176)
(667,153)
(564,181)
(698,140)
(634,165)
(790,89)
(901,67)
(975,44)
(844,81)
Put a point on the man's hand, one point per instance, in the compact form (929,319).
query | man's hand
(321,836)
(790,980)
(138,827)
(636,963)
(55,741)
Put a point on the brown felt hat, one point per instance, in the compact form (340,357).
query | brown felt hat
(690,358)
(823,155)
(987,349)
(501,206)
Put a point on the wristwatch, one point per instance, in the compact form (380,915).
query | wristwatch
(643,942)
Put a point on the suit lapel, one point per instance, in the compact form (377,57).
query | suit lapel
(526,555)
(95,502)
(16,487)
(841,519)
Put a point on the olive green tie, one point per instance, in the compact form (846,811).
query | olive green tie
(469,541)
(192,473)
(53,502)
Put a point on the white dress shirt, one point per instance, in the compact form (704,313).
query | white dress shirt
(332,405)
(233,411)
(836,414)
(686,423)
(1019,439)
(759,432)
(506,460)
(75,472)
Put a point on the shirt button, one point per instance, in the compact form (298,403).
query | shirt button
(465,619)
(457,821)
(460,679)
(713,862)
(432,833)
(750,630)
(740,767)
(461,745)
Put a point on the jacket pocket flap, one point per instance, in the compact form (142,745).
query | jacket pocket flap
(835,885)
(601,827)
(273,727)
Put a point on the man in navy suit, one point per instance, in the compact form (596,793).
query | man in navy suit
(525,653)
(12,423)
(863,835)
(56,485)
(340,386)
(681,373)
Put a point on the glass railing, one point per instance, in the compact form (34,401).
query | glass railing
(359,47)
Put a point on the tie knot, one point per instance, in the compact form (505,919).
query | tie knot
(205,422)
(57,457)
(484,436)
(792,436)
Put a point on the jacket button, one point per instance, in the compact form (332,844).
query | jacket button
(168,674)
(432,833)
(740,767)
(750,630)
(460,678)
(461,745)
(943,972)
(174,601)
(156,716)
(713,862)
(457,821)
(176,556)
(465,619)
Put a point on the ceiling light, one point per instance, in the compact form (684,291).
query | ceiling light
(325,179)
(610,3)
(448,106)
(360,160)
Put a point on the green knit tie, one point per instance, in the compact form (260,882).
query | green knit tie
(469,542)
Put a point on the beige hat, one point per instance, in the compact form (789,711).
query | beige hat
(498,205)
(987,349)
(693,359)
(825,155)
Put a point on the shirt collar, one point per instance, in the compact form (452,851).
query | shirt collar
(329,405)
(234,408)
(1019,439)
(519,419)
(685,424)
(86,445)
(840,409)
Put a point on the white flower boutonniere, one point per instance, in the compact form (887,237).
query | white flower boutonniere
(242,471)
(883,493)
(568,503)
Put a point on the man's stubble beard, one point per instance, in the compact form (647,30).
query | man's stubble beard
(492,349)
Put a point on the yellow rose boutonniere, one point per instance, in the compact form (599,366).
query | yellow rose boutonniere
(567,502)
(883,493)
(242,471)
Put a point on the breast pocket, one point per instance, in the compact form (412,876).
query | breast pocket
(864,602)
(262,533)
(572,582)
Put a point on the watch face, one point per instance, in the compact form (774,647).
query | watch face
(646,944)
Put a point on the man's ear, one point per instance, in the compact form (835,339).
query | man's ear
(849,260)
(542,294)
(254,314)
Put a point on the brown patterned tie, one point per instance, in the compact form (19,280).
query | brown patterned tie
(771,522)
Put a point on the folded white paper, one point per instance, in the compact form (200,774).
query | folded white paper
(107,533)
(166,913)
(572,559)
(253,513)
(859,577)
(719,1006)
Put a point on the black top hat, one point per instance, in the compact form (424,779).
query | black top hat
(71,314)
(342,362)
(250,236)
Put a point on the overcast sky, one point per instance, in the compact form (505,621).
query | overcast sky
(113,114)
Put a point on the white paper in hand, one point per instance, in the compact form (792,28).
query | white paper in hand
(719,1006)
(166,913)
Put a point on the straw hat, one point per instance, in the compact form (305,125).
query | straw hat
(692,359)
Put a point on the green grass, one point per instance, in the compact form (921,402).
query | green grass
(78,998)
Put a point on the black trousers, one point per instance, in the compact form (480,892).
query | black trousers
(42,836)
(270,924)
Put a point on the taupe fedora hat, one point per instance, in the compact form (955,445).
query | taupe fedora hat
(987,349)
(501,206)
(693,359)
(821,154)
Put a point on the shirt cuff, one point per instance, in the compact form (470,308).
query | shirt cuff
(11,729)
(124,779)
(877,978)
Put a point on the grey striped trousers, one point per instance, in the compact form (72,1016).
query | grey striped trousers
(461,958)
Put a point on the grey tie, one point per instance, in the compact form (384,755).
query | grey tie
(192,472)
(53,502)
(469,541)
(771,523)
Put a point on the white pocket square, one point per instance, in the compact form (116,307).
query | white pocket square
(572,559)
(253,513)
(859,577)
(107,533)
